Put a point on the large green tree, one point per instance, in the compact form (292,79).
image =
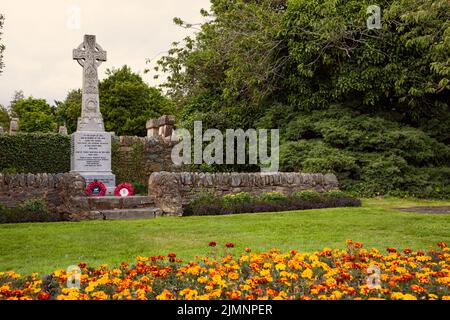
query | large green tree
(35,115)
(371,105)
(69,110)
(126,103)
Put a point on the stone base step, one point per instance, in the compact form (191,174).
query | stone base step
(112,203)
(127,214)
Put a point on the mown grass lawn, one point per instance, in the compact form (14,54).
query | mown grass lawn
(45,247)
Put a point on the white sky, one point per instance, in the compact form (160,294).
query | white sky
(40,35)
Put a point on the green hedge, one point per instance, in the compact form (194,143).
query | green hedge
(34,153)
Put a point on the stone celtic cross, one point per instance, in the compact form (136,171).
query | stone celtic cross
(90,56)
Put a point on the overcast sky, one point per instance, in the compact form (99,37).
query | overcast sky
(40,35)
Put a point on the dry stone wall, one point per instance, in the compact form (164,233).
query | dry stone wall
(172,191)
(58,190)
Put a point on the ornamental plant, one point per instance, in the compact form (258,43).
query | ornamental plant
(329,274)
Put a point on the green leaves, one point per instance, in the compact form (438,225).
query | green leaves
(35,115)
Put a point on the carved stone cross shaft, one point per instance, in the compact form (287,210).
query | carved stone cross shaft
(90,56)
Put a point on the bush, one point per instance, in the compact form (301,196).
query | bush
(272,196)
(370,155)
(139,188)
(238,198)
(210,204)
(31,210)
(18,215)
(34,153)
(306,196)
(34,205)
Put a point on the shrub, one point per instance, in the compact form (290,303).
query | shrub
(34,153)
(34,205)
(204,203)
(306,196)
(140,188)
(238,198)
(31,210)
(272,196)
(210,204)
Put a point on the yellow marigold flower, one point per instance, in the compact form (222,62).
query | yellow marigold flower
(307,273)
(331,282)
(100,295)
(90,287)
(401,296)
(336,295)
(233,276)
(265,272)
(202,279)
(280,266)
(165,295)
(445,280)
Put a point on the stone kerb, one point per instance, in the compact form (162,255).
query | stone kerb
(172,191)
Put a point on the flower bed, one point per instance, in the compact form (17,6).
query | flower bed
(210,204)
(326,274)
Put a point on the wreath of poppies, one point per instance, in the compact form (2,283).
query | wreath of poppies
(96,189)
(124,190)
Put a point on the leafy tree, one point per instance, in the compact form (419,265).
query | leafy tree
(35,115)
(4,118)
(69,110)
(126,103)
(2,46)
(402,68)
(17,97)
(369,105)
(233,66)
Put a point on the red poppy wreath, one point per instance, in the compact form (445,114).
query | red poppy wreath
(124,190)
(96,189)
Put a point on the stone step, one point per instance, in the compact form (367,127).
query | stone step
(127,214)
(112,203)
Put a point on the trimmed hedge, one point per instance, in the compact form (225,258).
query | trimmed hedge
(210,204)
(34,153)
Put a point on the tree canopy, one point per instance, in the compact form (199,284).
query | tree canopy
(370,105)
(35,115)
(126,103)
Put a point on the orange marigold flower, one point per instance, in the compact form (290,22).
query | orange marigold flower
(248,250)
(82,265)
(391,250)
(43,296)
(442,244)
